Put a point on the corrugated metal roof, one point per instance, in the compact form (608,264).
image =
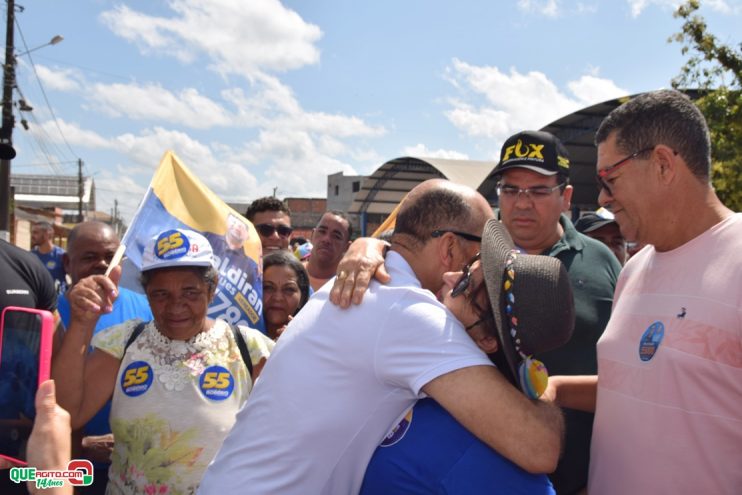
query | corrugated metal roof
(50,188)
(384,189)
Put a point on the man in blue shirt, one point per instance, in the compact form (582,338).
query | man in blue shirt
(50,255)
(90,247)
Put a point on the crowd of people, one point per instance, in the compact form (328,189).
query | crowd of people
(474,352)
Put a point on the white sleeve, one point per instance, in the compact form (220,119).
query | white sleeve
(421,340)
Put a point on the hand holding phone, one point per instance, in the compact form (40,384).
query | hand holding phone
(49,446)
(25,362)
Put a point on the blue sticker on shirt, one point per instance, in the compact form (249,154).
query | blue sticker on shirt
(651,340)
(137,378)
(216,383)
(398,432)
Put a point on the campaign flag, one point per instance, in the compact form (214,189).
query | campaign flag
(389,223)
(177,199)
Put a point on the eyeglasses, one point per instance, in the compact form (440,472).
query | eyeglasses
(483,319)
(463,235)
(537,192)
(602,174)
(463,283)
(267,230)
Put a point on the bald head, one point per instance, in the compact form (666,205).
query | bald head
(90,247)
(455,213)
(440,204)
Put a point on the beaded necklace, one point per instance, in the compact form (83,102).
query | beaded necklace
(532,374)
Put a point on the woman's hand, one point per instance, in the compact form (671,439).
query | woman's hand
(363,260)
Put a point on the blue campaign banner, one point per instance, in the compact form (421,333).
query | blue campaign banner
(177,199)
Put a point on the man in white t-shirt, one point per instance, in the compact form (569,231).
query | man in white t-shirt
(339,379)
(669,386)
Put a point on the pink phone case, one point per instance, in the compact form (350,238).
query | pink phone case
(45,350)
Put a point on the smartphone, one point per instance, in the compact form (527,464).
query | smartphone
(25,362)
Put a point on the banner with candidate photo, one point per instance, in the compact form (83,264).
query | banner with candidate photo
(178,199)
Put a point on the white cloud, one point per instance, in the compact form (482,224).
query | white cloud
(273,105)
(153,102)
(118,184)
(287,146)
(245,38)
(549,8)
(722,6)
(423,151)
(58,79)
(586,8)
(590,89)
(294,163)
(494,104)
(74,135)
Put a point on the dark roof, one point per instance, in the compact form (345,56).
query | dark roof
(384,189)
(577,132)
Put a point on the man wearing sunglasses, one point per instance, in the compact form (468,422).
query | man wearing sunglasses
(667,396)
(340,378)
(534,192)
(272,219)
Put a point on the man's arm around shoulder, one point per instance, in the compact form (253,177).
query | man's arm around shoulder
(527,432)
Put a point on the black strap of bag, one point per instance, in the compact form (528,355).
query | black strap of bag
(239,340)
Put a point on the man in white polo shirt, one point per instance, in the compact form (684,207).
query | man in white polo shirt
(339,379)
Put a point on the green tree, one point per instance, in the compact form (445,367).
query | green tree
(716,70)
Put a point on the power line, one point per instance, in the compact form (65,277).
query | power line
(84,68)
(42,164)
(38,125)
(43,92)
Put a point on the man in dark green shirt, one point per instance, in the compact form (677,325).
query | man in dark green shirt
(533,191)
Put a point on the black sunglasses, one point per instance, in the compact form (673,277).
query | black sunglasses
(267,230)
(463,283)
(463,235)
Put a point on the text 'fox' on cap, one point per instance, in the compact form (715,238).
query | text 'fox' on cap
(538,151)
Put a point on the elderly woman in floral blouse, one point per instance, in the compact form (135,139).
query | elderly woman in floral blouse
(176,382)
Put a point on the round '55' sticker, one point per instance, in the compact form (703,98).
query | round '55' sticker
(136,378)
(216,383)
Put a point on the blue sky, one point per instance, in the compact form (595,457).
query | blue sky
(260,94)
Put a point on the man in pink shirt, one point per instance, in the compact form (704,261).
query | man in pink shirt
(668,394)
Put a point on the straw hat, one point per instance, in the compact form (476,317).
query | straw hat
(531,300)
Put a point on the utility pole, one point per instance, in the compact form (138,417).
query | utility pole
(7,152)
(116,224)
(80,191)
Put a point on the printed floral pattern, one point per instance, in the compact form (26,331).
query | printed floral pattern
(152,455)
(155,457)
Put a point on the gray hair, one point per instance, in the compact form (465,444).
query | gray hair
(433,209)
(661,117)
